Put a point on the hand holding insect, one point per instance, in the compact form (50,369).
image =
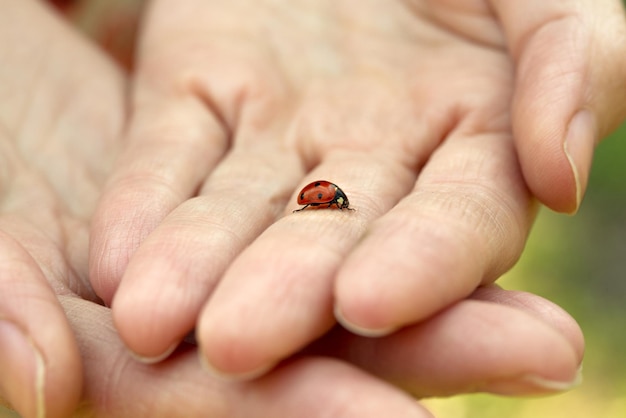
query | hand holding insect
(413,114)
(54,333)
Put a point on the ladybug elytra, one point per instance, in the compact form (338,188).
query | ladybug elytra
(320,193)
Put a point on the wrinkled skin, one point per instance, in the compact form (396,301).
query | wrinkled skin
(437,118)
(62,112)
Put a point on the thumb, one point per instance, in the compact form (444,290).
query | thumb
(570,62)
(40,368)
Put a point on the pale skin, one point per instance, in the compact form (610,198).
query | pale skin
(62,113)
(439,119)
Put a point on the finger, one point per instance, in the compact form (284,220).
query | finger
(571,68)
(116,385)
(175,270)
(346,390)
(172,144)
(548,312)
(277,296)
(463,225)
(477,345)
(186,108)
(40,369)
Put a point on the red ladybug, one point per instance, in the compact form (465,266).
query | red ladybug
(323,192)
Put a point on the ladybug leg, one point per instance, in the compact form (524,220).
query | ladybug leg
(341,206)
(302,208)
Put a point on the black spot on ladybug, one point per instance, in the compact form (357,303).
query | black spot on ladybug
(319,195)
(302,196)
(317,183)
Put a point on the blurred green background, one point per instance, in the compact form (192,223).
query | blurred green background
(579,263)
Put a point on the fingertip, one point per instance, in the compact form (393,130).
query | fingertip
(558,175)
(126,215)
(377,293)
(364,304)
(160,295)
(547,311)
(228,353)
(552,137)
(59,368)
(229,376)
(147,336)
(155,358)
(231,365)
(579,145)
(532,384)
(39,379)
(472,346)
(364,330)
(40,359)
(224,353)
(23,371)
(555,174)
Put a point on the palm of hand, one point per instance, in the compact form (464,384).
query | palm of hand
(237,107)
(58,140)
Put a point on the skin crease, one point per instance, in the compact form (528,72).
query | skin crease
(57,146)
(438,100)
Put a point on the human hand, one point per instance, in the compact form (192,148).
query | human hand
(61,111)
(570,64)
(57,144)
(498,341)
(237,104)
(61,108)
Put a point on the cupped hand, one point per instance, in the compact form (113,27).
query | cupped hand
(61,112)
(61,109)
(410,107)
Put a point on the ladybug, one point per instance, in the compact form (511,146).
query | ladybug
(323,192)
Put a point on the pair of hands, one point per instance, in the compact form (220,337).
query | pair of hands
(235,106)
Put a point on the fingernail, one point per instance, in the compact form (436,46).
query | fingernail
(154,359)
(533,385)
(360,330)
(579,145)
(22,371)
(233,377)
(555,385)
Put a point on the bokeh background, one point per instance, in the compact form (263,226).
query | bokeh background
(577,262)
